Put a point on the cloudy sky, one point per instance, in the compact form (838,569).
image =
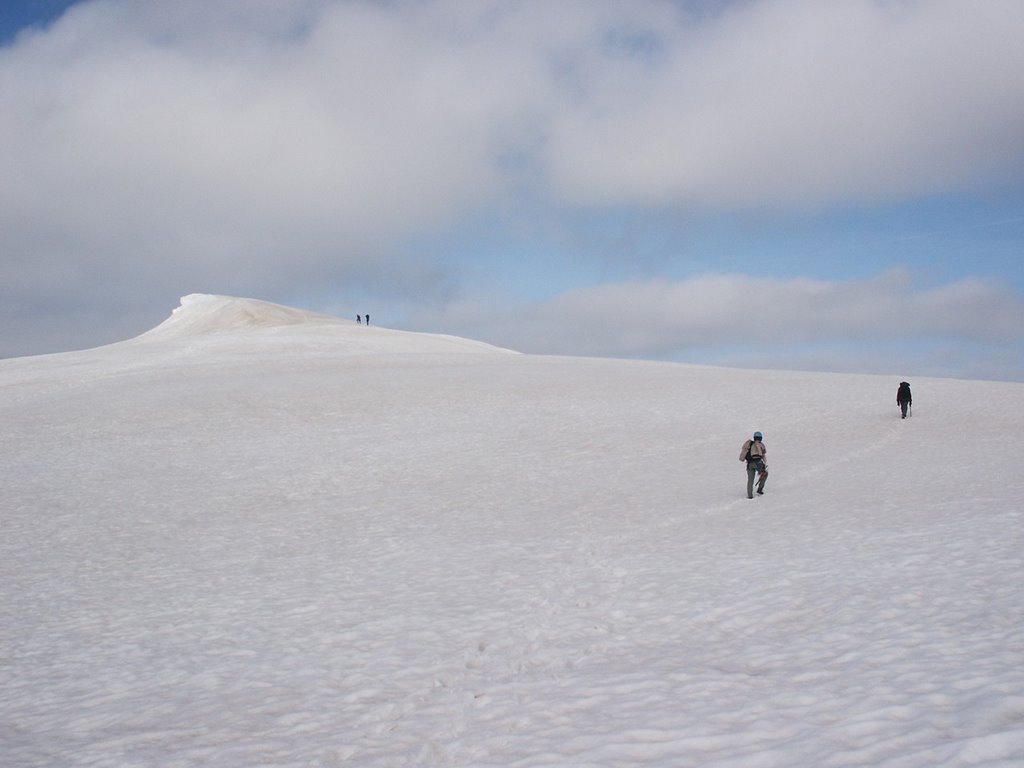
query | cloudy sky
(761,183)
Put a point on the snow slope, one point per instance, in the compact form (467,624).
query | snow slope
(255,536)
(211,319)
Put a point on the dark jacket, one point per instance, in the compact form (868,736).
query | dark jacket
(903,394)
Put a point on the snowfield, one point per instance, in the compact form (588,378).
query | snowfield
(256,536)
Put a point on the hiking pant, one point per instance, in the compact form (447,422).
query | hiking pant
(903,408)
(751,474)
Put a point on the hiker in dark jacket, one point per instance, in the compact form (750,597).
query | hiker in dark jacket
(755,454)
(903,398)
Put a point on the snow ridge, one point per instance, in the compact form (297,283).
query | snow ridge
(202,313)
(216,321)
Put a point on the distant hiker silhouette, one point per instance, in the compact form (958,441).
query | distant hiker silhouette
(904,398)
(755,454)
(367,319)
(359,319)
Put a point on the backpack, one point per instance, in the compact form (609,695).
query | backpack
(756,458)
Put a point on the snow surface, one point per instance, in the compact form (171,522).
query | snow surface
(255,536)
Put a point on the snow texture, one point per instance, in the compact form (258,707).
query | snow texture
(255,536)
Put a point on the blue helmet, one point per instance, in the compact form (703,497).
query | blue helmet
(758,435)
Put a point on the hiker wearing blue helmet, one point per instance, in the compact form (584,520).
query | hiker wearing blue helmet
(755,454)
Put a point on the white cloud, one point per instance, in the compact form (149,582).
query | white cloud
(367,119)
(153,148)
(794,103)
(664,319)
